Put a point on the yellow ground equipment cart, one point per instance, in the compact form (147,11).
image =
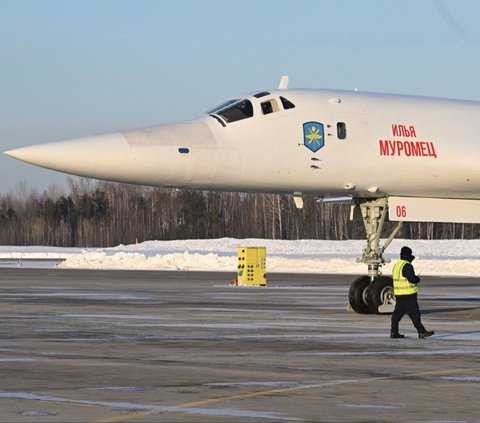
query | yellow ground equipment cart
(252,266)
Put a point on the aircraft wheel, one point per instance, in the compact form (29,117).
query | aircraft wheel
(380,292)
(357,295)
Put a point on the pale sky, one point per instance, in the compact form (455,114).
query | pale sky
(73,68)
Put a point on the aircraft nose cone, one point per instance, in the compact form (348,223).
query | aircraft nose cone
(24,154)
(166,155)
(79,156)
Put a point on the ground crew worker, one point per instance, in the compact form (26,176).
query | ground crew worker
(405,289)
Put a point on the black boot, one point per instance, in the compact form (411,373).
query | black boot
(396,335)
(425,334)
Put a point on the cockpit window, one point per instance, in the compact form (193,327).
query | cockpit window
(262,94)
(221,106)
(341,130)
(242,109)
(286,103)
(269,106)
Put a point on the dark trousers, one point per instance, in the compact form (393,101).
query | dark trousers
(407,304)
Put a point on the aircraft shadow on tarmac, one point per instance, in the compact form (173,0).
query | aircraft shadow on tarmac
(448,310)
(456,299)
(471,307)
(472,333)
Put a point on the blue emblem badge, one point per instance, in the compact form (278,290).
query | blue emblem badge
(313,135)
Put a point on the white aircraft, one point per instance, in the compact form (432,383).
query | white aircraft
(402,157)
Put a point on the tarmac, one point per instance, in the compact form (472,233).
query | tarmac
(139,346)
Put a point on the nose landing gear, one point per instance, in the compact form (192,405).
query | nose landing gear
(373,293)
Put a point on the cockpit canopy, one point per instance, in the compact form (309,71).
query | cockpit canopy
(239,109)
(233,110)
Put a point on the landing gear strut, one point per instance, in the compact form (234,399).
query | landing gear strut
(373,293)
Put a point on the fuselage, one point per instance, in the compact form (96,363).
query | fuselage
(320,142)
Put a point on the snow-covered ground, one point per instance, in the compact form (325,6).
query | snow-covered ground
(446,257)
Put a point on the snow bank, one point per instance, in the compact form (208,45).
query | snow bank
(446,257)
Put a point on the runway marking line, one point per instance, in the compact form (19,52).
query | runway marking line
(131,416)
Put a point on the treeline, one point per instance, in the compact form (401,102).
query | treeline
(102,214)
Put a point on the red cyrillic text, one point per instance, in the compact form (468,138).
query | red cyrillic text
(407,148)
(403,131)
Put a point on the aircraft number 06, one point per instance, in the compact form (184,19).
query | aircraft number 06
(401,211)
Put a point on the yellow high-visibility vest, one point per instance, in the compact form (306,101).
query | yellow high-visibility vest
(401,285)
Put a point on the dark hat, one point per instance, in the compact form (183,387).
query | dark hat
(406,254)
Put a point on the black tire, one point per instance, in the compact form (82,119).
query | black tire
(357,295)
(377,292)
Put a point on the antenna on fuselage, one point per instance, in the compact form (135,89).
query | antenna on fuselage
(283,83)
